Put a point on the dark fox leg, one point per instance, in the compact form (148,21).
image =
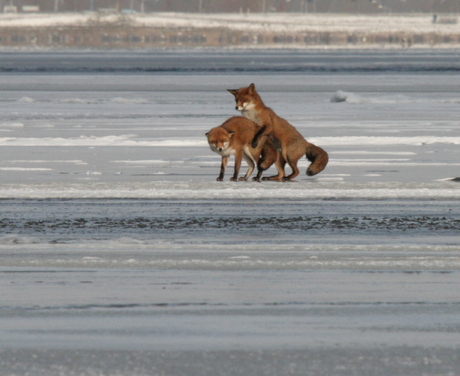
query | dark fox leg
(261,167)
(238,159)
(223,165)
(258,176)
(268,156)
(255,140)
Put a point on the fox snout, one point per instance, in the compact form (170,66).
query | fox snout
(218,149)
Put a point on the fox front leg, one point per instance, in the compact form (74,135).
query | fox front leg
(255,140)
(223,165)
(238,159)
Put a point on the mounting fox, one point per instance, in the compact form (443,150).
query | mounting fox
(235,136)
(288,142)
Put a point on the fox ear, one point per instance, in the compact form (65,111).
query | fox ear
(252,88)
(231,133)
(234,92)
(206,134)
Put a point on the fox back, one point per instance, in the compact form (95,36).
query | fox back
(234,134)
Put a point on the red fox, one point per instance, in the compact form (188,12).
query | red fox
(288,142)
(235,136)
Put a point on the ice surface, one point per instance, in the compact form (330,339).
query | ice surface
(120,254)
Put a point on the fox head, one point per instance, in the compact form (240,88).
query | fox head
(245,98)
(219,139)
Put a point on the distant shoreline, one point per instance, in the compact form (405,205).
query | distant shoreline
(184,30)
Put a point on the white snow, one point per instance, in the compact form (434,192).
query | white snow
(272,22)
(324,188)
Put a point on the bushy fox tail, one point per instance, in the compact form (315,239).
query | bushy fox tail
(318,158)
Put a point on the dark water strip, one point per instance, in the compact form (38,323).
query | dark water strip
(238,61)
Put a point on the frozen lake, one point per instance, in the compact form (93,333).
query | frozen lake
(120,254)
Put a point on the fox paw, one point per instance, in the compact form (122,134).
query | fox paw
(274,178)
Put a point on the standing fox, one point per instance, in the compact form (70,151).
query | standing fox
(235,136)
(288,142)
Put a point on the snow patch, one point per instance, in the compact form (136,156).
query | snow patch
(11,125)
(342,96)
(18,239)
(27,100)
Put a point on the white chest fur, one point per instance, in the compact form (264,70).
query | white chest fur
(252,115)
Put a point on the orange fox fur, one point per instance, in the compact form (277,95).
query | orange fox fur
(289,143)
(235,136)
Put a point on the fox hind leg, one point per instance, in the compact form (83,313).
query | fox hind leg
(295,170)
(251,165)
(279,164)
